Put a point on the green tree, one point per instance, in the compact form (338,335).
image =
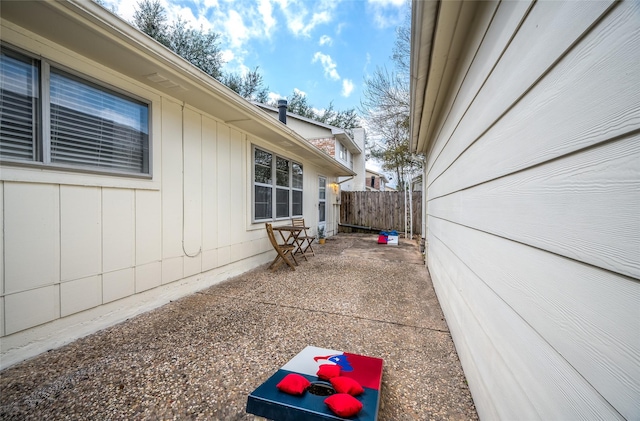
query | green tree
(151,18)
(385,108)
(200,48)
(298,103)
(346,119)
(249,85)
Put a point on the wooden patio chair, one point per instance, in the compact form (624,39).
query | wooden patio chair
(283,250)
(304,241)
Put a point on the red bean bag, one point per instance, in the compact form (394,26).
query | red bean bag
(343,405)
(293,384)
(346,385)
(328,371)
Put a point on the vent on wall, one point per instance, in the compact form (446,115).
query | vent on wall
(164,81)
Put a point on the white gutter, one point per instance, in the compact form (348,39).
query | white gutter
(423,23)
(439,39)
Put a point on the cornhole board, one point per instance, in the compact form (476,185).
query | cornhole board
(269,402)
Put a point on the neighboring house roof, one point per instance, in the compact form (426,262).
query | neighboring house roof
(377,174)
(336,132)
(107,39)
(375,181)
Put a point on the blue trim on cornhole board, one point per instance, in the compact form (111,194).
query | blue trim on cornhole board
(269,402)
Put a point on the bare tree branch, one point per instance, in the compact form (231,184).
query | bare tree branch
(385,107)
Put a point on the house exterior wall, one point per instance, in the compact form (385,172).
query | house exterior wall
(323,138)
(374,181)
(81,251)
(533,197)
(327,144)
(357,183)
(307,130)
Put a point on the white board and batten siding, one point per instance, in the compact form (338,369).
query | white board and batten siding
(77,257)
(81,251)
(534,212)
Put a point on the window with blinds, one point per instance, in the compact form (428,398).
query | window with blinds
(19,111)
(277,186)
(90,126)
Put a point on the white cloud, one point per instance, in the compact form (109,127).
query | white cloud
(266,11)
(175,11)
(386,3)
(300,20)
(328,64)
(234,63)
(317,19)
(366,64)
(208,4)
(387,13)
(243,69)
(325,40)
(228,55)
(273,96)
(298,91)
(347,87)
(235,29)
(123,8)
(240,22)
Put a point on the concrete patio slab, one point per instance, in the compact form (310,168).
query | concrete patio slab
(200,357)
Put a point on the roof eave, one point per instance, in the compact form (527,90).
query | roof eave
(337,132)
(439,35)
(423,22)
(346,140)
(89,29)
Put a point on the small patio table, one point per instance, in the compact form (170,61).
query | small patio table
(289,233)
(269,402)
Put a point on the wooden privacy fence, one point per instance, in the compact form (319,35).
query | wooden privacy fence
(376,211)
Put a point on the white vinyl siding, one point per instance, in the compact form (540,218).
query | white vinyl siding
(533,196)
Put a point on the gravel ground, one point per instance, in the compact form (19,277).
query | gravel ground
(199,357)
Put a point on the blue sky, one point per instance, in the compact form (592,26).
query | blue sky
(325,49)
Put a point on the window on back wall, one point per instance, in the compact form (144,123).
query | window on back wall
(277,186)
(343,152)
(51,117)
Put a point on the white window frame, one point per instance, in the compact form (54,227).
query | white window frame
(322,200)
(42,156)
(272,185)
(343,152)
